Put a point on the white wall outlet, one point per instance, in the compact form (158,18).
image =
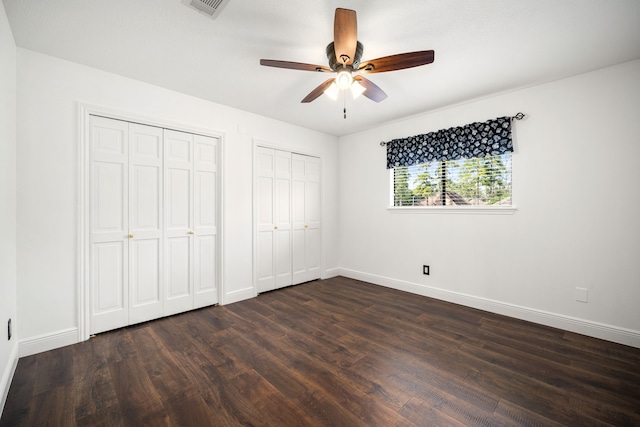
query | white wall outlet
(582,294)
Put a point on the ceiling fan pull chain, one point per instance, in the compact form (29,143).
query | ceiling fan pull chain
(344,104)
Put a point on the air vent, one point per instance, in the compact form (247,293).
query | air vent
(211,8)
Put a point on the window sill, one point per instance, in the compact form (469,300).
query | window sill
(474,210)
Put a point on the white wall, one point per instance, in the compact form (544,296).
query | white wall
(575,186)
(47,131)
(566,232)
(8,303)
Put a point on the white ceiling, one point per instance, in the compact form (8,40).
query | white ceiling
(481,48)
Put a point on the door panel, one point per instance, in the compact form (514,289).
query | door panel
(145,219)
(312,202)
(299,235)
(179,231)
(266,276)
(178,190)
(108,225)
(108,139)
(145,282)
(299,256)
(265,202)
(179,257)
(205,203)
(109,197)
(306,218)
(205,278)
(205,219)
(283,258)
(146,198)
(312,210)
(145,269)
(110,278)
(282,214)
(265,220)
(312,253)
(145,279)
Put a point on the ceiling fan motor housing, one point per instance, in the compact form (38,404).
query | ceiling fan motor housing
(335,63)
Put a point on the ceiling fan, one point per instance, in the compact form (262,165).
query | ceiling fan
(344,55)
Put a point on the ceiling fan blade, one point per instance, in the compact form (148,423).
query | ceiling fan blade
(317,91)
(397,62)
(345,35)
(371,90)
(294,65)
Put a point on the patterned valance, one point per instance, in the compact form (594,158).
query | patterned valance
(491,138)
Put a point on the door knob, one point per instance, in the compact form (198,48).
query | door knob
(191,232)
(131,236)
(276,227)
(306,226)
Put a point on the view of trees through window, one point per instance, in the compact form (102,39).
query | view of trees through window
(466,182)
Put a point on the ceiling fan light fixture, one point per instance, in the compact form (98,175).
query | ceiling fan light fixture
(356,89)
(344,54)
(332,91)
(344,79)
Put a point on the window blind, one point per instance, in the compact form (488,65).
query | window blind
(481,181)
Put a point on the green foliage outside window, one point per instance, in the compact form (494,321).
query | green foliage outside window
(477,181)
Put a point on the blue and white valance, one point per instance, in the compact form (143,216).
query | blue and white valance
(490,138)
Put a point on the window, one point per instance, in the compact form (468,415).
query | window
(482,181)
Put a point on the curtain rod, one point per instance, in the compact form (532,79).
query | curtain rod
(518,116)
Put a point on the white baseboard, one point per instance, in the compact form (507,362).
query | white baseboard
(332,272)
(581,326)
(237,296)
(7,376)
(46,342)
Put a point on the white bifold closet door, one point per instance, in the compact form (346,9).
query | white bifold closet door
(152,221)
(305,181)
(190,218)
(273,219)
(288,218)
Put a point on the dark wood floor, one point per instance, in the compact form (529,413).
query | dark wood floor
(335,352)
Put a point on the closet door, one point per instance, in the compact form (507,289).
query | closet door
(178,213)
(145,223)
(152,222)
(108,224)
(282,229)
(273,219)
(265,218)
(306,218)
(205,220)
(312,215)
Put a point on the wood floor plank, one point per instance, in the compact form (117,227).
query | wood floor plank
(55,369)
(52,407)
(511,414)
(336,352)
(568,378)
(95,395)
(16,412)
(222,398)
(272,404)
(139,402)
(423,414)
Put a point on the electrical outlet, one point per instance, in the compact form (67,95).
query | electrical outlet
(582,294)
(9,330)
(425,270)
